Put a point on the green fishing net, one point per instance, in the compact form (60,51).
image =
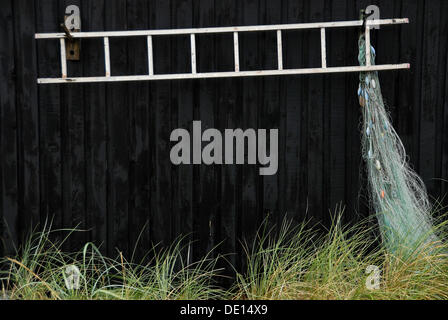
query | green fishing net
(397,193)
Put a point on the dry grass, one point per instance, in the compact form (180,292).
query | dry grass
(301,265)
(293,263)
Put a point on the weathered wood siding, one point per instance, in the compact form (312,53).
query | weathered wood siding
(97,155)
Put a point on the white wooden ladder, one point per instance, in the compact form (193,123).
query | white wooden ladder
(194,74)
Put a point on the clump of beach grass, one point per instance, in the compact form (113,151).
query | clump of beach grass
(293,262)
(302,264)
(39,272)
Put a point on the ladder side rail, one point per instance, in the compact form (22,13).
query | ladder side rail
(299,26)
(225,74)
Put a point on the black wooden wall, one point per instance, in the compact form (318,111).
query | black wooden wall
(97,155)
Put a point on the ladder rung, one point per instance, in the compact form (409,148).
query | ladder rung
(323,47)
(150,56)
(63,59)
(193,53)
(368,58)
(236,52)
(279,50)
(106,56)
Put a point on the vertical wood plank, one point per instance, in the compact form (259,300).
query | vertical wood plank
(357,184)
(182,116)
(336,112)
(206,216)
(429,88)
(139,123)
(161,105)
(47,19)
(251,202)
(441,185)
(269,116)
(354,176)
(118,133)
(9,211)
(444,119)
(407,115)
(315,116)
(92,13)
(295,124)
(327,211)
(27,115)
(73,156)
(227,14)
(388,48)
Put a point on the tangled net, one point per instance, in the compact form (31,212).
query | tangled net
(397,193)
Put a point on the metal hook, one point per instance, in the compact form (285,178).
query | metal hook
(68,35)
(364,16)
